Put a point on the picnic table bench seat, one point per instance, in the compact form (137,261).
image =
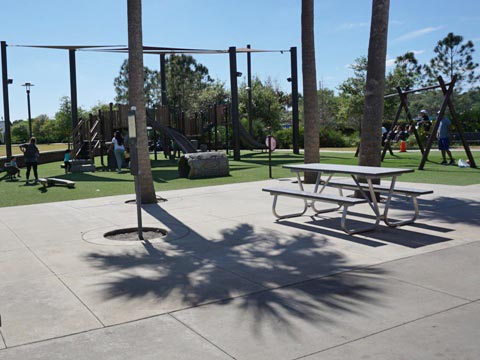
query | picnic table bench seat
(341,201)
(350,185)
(411,193)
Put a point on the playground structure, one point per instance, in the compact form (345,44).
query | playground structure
(90,134)
(93,134)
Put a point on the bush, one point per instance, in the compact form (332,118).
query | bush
(331,138)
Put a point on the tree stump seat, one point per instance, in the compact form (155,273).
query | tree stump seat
(203,165)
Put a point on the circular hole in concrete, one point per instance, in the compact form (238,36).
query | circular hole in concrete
(131,234)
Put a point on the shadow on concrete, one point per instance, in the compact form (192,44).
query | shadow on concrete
(240,265)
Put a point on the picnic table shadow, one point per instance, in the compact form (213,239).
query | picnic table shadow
(305,277)
(444,210)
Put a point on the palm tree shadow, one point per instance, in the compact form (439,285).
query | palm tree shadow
(270,274)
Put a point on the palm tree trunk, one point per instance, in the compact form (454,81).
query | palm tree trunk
(137,99)
(310,108)
(371,127)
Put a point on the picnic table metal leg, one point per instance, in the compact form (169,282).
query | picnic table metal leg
(286,216)
(358,230)
(411,220)
(317,185)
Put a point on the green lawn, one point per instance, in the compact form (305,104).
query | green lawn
(252,167)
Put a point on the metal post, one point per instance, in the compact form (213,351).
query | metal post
(27,88)
(73,87)
(134,168)
(163,80)
(232,51)
(270,156)
(215,128)
(6,106)
(225,112)
(249,90)
(155,137)
(294,80)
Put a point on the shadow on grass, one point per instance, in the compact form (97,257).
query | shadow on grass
(239,265)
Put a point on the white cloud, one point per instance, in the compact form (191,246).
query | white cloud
(417,33)
(350,26)
(417,52)
(390,62)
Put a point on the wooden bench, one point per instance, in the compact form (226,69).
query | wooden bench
(402,191)
(56,181)
(341,201)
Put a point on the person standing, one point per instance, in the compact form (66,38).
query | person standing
(67,157)
(443,136)
(118,149)
(30,156)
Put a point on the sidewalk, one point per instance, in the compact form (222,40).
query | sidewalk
(228,282)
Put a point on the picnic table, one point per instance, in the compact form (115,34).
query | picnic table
(368,189)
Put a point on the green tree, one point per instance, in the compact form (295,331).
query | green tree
(151,85)
(19,131)
(328,107)
(352,96)
(407,73)
(453,57)
(186,79)
(267,102)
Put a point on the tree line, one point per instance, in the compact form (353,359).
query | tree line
(191,90)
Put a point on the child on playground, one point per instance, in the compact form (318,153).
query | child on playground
(66,160)
(13,164)
(118,149)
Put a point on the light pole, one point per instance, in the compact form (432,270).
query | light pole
(27,87)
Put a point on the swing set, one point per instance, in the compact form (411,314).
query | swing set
(447,89)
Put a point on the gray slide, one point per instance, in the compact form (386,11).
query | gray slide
(248,141)
(181,140)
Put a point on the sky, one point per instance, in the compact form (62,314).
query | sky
(341,35)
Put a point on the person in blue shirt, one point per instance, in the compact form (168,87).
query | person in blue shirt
(66,160)
(443,136)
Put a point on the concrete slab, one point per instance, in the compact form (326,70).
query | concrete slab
(219,271)
(18,265)
(151,339)
(299,320)
(154,285)
(447,335)
(35,310)
(280,260)
(9,240)
(451,271)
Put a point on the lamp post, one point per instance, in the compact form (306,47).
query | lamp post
(27,87)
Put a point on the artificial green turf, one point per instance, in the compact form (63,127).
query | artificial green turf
(254,166)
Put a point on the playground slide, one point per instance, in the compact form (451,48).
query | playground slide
(248,140)
(181,140)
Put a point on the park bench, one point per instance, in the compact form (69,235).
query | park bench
(56,181)
(341,201)
(411,193)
